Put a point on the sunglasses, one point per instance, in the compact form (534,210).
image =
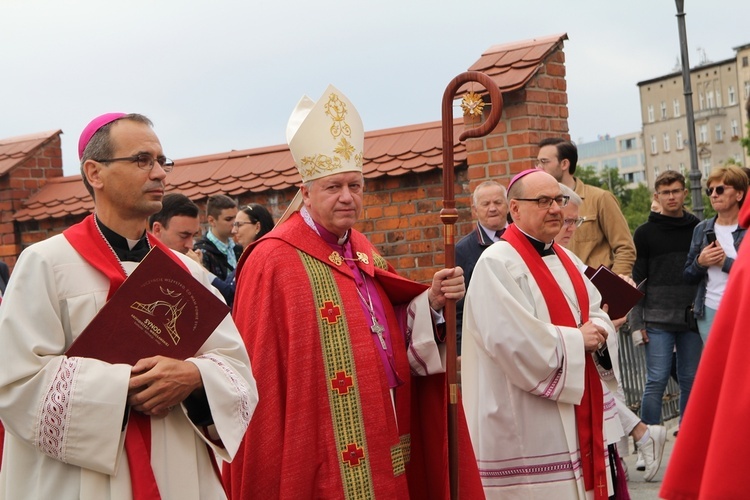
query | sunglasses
(719,190)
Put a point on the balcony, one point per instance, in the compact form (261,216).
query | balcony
(710,112)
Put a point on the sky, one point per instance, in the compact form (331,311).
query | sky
(222,75)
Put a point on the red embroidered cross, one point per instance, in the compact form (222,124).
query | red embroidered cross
(330,312)
(342,382)
(353,454)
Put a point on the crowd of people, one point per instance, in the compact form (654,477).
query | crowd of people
(327,380)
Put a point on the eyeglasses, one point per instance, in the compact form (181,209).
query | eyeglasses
(545,202)
(540,161)
(144,161)
(239,223)
(672,192)
(577,221)
(719,190)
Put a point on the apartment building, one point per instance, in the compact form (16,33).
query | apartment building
(720,90)
(623,152)
(743,74)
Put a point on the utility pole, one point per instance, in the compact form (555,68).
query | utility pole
(695,173)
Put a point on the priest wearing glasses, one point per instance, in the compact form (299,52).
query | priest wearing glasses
(79,427)
(535,392)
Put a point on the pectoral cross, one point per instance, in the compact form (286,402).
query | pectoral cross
(378,330)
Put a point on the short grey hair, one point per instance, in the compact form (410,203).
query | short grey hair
(574,198)
(485,184)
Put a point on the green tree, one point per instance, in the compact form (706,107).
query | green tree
(637,207)
(588,175)
(611,181)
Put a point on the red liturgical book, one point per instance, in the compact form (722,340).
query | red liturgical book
(617,293)
(160,309)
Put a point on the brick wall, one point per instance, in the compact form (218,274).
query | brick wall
(402,214)
(537,111)
(16,187)
(401,218)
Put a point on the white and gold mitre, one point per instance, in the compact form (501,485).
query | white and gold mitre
(326,137)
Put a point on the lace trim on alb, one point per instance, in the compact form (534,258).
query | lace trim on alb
(240,387)
(56,409)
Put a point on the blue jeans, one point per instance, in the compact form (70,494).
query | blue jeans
(659,350)
(704,323)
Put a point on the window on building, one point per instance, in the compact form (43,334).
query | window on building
(732,96)
(703,134)
(718,133)
(738,158)
(676,106)
(678,140)
(710,99)
(656,172)
(627,144)
(718,98)
(744,61)
(747,89)
(663,110)
(682,168)
(650,113)
(700,101)
(706,163)
(653,145)
(666,143)
(735,129)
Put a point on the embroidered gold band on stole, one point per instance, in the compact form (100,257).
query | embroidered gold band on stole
(343,394)
(379,261)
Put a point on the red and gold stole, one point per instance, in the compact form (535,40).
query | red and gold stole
(86,239)
(590,413)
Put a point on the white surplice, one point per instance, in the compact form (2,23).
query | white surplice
(64,416)
(521,377)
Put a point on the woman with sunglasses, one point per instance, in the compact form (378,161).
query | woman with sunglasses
(715,243)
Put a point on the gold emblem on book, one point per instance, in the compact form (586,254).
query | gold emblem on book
(173,312)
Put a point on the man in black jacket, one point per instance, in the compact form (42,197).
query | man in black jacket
(662,245)
(489,204)
(220,254)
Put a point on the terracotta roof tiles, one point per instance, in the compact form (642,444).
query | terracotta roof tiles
(15,150)
(392,152)
(512,65)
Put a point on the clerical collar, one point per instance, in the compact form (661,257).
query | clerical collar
(324,233)
(541,247)
(125,249)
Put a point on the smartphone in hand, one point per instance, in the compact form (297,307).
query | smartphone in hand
(710,236)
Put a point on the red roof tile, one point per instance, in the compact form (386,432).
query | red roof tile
(512,65)
(392,152)
(15,150)
(399,151)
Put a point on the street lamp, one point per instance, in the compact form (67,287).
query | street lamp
(695,173)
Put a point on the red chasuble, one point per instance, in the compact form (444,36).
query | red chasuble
(590,412)
(709,459)
(325,425)
(86,239)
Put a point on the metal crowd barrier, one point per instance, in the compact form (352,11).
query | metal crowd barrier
(633,377)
